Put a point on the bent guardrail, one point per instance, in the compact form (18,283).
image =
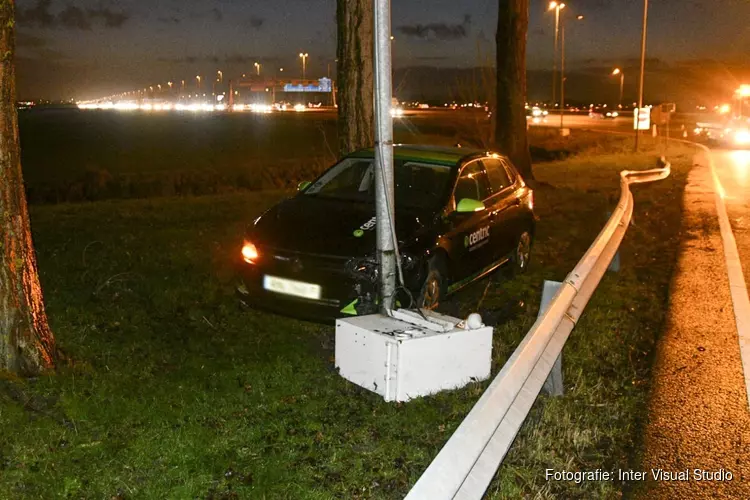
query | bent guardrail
(465,466)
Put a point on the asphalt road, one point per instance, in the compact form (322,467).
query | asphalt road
(698,415)
(733,169)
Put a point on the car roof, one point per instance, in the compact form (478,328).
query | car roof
(433,154)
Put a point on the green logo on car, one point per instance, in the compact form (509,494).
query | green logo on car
(358,233)
(466,241)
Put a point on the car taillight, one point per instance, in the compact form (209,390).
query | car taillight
(249,253)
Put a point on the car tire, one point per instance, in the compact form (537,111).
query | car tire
(521,254)
(433,289)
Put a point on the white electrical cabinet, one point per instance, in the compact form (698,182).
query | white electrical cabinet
(401,360)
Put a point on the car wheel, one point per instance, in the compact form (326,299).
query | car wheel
(522,253)
(433,288)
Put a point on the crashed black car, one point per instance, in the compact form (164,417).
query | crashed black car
(460,214)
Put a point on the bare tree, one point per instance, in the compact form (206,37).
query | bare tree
(27,346)
(510,114)
(355,47)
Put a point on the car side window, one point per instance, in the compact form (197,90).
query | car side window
(497,174)
(472,183)
(510,170)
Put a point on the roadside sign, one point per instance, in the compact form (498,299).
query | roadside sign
(642,119)
(668,107)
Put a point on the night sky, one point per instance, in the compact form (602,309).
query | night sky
(88,48)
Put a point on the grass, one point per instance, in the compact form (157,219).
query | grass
(172,391)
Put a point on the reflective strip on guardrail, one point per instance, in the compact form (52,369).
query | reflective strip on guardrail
(465,466)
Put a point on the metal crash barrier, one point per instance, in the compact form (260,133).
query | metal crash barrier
(465,466)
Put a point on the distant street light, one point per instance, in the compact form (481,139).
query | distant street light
(304,57)
(556,6)
(221,76)
(198,78)
(170,85)
(618,71)
(257,68)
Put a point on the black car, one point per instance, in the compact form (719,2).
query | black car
(460,214)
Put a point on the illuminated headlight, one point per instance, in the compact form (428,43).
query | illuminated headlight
(249,252)
(536,112)
(742,137)
(397,112)
(615,114)
(530,200)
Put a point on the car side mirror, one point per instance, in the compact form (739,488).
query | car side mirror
(467,205)
(303,185)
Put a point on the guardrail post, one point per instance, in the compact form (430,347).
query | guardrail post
(554,383)
(614,266)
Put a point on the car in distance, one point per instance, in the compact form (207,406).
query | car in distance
(603,113)
(459,215)
(734,134)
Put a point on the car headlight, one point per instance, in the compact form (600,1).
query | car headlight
(249,252)
(742,136)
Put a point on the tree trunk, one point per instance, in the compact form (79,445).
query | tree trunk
(26,343)
(510,115)
(354,19)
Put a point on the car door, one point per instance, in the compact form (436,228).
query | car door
(502,207)
(469,234)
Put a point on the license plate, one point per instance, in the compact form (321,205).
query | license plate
(291,287)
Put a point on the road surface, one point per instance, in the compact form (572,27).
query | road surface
(698,415)
(733,169)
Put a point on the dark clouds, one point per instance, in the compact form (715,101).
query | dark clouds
(437,31)
(71,17)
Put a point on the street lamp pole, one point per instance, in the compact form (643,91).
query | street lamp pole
(556,6)
(615,72)
(257,68)
(562,70)
(304,63)
(562,76)
(643,68)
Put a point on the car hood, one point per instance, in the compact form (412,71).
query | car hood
(331,227)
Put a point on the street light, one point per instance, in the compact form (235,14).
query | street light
(257,68)
(221,76)
(618,71)
(556,6)
(562,69)
(643,67)
(304,57)
(198,78)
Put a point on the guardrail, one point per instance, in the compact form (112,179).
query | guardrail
(465,466)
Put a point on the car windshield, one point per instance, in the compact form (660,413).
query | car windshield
(417,185)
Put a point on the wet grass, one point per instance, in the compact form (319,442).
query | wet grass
(172,391)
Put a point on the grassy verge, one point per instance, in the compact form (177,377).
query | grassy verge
(173,392)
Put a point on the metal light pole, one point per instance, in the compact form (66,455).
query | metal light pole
(556,6)
(384,194)
(618,71)
(643,68)
(562,70)
(304,62)
(257,68)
